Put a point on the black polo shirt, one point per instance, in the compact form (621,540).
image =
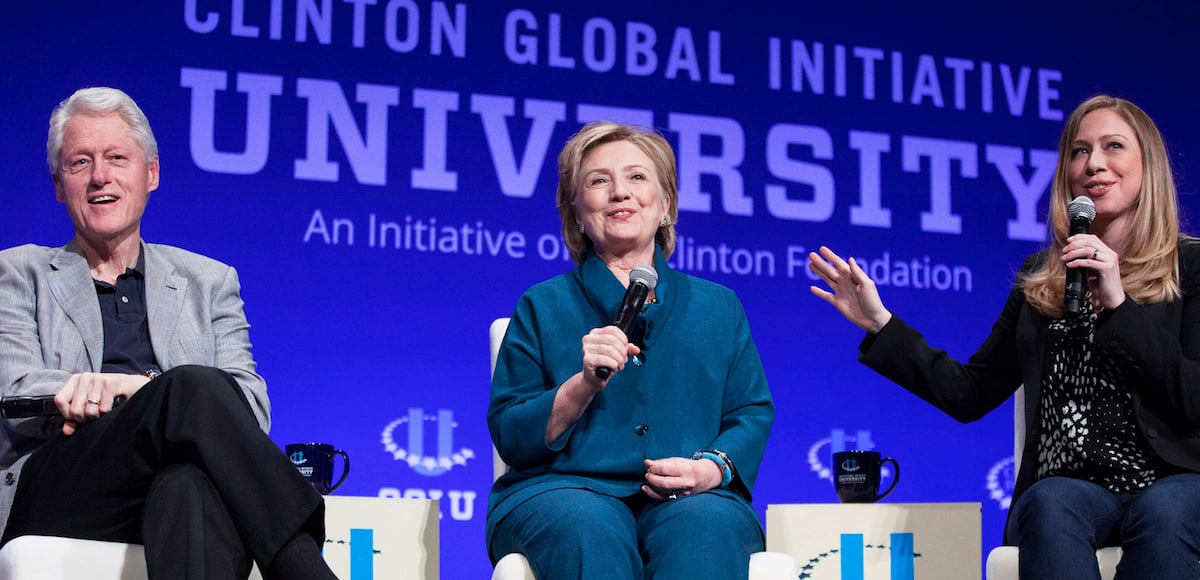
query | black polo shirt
(127,347)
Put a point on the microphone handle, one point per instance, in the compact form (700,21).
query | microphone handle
(1080,225)
(1074,290)
(631,306)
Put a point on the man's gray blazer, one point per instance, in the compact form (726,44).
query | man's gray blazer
(50,328)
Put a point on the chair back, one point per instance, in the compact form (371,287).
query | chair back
(495,338)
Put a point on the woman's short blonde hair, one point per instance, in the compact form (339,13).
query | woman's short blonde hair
(570,170)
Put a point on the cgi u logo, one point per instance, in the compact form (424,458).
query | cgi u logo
(416,439)
(298,458)
(850,465)
(854,560)
(413,425)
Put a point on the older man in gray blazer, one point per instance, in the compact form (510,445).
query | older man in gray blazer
(160,432)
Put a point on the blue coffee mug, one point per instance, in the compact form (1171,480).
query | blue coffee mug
(314,461)
(857,474)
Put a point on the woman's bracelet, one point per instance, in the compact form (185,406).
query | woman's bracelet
(722,461)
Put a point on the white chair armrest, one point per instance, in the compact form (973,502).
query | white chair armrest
(513,567)
(772,566)
(1003,563)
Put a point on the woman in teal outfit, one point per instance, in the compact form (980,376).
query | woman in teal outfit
(648,473)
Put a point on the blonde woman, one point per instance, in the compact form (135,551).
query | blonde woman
(1112,401)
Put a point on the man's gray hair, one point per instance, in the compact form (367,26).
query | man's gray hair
(98,101)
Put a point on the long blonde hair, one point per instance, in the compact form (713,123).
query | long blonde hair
(1150,260)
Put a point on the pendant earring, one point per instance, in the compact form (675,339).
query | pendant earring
(581,228)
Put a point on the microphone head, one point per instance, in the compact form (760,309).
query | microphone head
(1081,207)
(646,276)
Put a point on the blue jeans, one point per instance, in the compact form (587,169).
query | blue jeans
(1059,522)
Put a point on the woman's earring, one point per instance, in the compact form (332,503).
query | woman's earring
(663,223)
(581,228)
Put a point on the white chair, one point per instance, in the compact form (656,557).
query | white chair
(55,558)
(763,565)
(1003,561)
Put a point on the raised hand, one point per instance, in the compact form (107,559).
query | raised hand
(854,293)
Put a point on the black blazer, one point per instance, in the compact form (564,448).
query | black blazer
(1158,344)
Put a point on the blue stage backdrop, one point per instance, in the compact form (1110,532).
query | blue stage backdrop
(382,174)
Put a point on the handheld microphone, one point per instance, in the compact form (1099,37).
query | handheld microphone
(1081,211)
(36,406)
(642,280)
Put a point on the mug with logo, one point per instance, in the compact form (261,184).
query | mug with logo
(314,461)
(857,474)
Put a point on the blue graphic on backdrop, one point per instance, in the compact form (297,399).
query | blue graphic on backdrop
(414,454)
(1001,479)
(460,502)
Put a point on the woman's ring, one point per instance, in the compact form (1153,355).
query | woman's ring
(1095,254)
(673,495)
(91,402)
